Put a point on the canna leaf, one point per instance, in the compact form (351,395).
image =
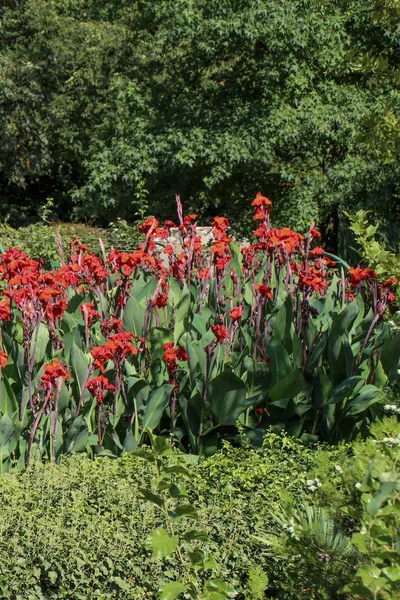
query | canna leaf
(157,403)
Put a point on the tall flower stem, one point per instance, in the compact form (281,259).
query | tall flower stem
(35,425)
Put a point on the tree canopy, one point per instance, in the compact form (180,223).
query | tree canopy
(110,108)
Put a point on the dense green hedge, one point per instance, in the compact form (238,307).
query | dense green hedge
(78,530)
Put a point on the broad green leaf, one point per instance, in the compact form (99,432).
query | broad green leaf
(184,510)
(171,591)
(280,364)
(147,455)
(161,543)
(392,573)
(181,314)
(6,429)
(317,352)
(134,313)
(348,387)
(122,584)
(9,403)
(386,492)
(156,404)
(153,498)
(284,323)
(76,437)
(368,396)
(390,357)
(322,388)
(195,535)
(42,341)
(79,363)
(288,387)
(258,376)
(227,397)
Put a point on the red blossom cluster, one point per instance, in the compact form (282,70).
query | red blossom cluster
(358,275)
(313,278)
(52,372)
(221,333)
(236,313)
(116,349)
(171,356)
(36,294)
(98,387)
(220,250)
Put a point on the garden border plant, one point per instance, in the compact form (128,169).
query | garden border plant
(188,342)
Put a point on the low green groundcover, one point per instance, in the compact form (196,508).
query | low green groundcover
(79,530)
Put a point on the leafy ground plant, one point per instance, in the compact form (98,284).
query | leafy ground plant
(378,541)
(197,564)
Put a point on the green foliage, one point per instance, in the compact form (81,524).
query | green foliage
(257,584)
(98,529)
(171,499)
(107,109)
(80,529)
(315,554)
(373,252)
(377,542)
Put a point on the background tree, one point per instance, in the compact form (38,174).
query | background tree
(120,105)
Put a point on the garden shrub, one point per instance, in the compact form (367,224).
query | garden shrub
(79,530)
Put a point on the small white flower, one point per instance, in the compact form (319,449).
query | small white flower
(313,484)
(357,485)
(339,469)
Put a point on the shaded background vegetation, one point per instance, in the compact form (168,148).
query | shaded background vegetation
(110,108)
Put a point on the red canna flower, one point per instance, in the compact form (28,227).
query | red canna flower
(261,200)
(317,252)
(236,313)
(150,224)
(264,291)
(169,249)
(314,233)
(358,275)
(220,225)
(3,359)
(171,355)
(284,239)
(67,275)
(5,310)
(117,347)
(55,310)
(329,262)
(312,279)
(52,372)
(188,220)
(98,387)
(220,332)
(390,283)
(110,325)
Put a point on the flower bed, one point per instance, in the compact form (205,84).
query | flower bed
(277,333)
